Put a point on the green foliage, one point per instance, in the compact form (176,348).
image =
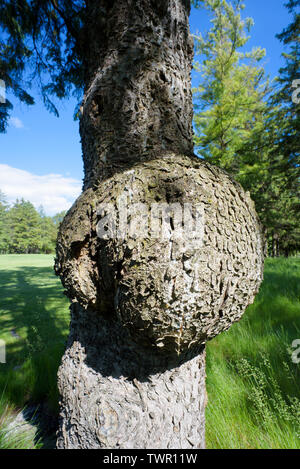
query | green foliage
(24,234)
(9,437)
(230,98)
(285,156)
(245,126)
(58,218)
(41,41)
(3,225)
(23,229)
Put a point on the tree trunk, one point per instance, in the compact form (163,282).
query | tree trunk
(266,249)
(138,100)
(133,374)
(274,245)
(277,248)
(117,396)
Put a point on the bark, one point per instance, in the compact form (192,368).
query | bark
(273,246)
(143,307)
(118,396)
(169,295)
(138,100)
(277,248)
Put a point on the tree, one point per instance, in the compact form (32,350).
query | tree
(143,302)
(230,98)
(285,156)
(58,218)
(24,234)
(23,229)
(245,129)
(3,222)
(276,191)
(48,232)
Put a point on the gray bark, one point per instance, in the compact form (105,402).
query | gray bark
(143,307)
(117,396)
(138,100)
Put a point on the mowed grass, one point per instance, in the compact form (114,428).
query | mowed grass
(253,385)
(34,322)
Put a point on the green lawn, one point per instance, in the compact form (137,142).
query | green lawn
(253,385)
(34,320)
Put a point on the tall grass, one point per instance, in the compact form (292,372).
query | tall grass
(253,385)
(23,438)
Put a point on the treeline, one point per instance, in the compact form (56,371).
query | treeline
(248,125)
(25,230)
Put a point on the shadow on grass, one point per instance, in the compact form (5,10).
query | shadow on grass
(34,322)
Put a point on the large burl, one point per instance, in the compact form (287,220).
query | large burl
(160,253)
(171,249)
(156,260)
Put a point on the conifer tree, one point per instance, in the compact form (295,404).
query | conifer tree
(247,126)
(229,100)
(24,228)
(283,192)
(3,223)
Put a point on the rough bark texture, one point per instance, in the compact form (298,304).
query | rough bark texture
(117,396)
(174,291)
(133,374)
(138,101)
(151,303)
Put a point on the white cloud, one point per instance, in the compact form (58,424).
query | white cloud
(16,122)
(53,191)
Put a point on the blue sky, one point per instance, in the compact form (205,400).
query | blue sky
(40,155)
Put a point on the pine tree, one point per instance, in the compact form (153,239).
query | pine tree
(58,218)
(230,106)
(3,223)
(48,232)
(41,41)
(24,228)
(247,127)
(285,155)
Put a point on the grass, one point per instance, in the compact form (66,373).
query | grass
(34,321)
(24,438)
(252,383)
